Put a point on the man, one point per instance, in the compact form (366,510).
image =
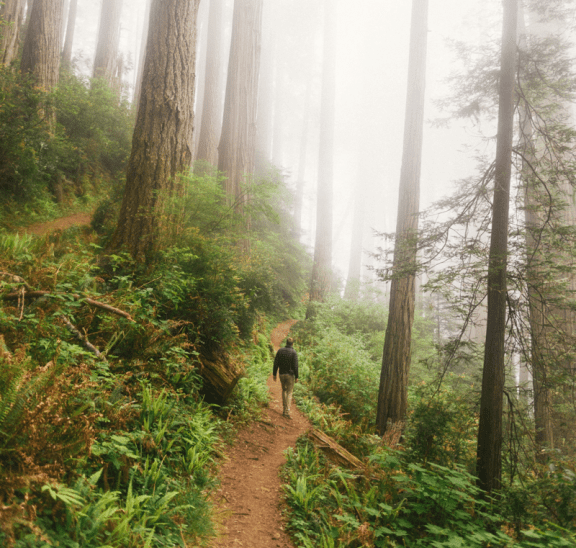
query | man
(286,361)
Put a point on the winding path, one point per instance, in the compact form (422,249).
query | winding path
(248,501)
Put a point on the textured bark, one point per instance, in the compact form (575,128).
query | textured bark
(236,151)
(489,457)
(70,28)
(41,51)
(106,59)
(392,394)
(162,142)
(138,87)
(211,109)
(11,19)
(321,281)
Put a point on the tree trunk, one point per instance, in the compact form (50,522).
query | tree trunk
(266,90)
(211,108)
(70,28)
(162,141)
(278,123)
(41,52)
(142,59)
(321,283)
(11,19)
(236,151)
(489,458)
(299,201)
(106,59)
(393,391)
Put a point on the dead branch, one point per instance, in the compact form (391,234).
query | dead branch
(17,279)
(334,451)
(82,339)
(16,295)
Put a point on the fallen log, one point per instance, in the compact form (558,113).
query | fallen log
(334,451)
(220,376)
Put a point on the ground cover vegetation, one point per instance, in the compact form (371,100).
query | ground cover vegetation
(417,488)
(110,432)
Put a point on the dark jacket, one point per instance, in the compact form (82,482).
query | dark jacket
(286,361)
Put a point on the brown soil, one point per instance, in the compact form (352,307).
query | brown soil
(248,502)
(39,229)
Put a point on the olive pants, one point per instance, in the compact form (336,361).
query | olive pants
(287,382)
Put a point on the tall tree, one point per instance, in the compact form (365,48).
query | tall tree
(320,284)
(393,393)
(11,19)
(41,51)
(211,107)
(142,58)
(106,59)
(162,142)
(70,28)
(299,200)
(488,457)
(236,151)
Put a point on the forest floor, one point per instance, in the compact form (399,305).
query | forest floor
(248,502)
(39,229)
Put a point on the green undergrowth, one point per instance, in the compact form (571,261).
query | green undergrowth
(107,436)
(414,490)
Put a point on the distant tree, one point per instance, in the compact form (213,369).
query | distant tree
(393,391)
(70,28)
(489,456)
(237,148)
(11,19)
(106,58)
(266,87)
(162,142)
(321,282)
(211,106)
(301,174)
(41,51)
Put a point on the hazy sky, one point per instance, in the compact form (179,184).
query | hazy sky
(372,56)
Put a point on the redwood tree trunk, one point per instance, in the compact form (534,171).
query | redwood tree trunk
(236,151)
(138,87)
(41,51)
(393,391)
(211,108)
(162,142)
(106,59)
(70,28)
(489,458)
(11,19)
(321,282)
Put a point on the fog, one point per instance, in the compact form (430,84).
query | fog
(371,72)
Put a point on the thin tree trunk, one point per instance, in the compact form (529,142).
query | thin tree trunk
(302,159)
(106,59)
(489,457)
(162,142)
(266,91)
(236,151)
(321,283)
(278,120)
(70,28)
(11,19)
(211,110)
(393,391)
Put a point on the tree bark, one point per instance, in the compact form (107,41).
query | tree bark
(162,141)
(488,457)
(138,87)
(236,151)
(211,107)
(106,59)
(41,51)
(11,18)
(393,391)
(321,283)
(70,28)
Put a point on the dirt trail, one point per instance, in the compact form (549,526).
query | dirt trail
(248,501)
(39,229)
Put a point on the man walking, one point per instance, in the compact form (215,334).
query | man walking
(286,361)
